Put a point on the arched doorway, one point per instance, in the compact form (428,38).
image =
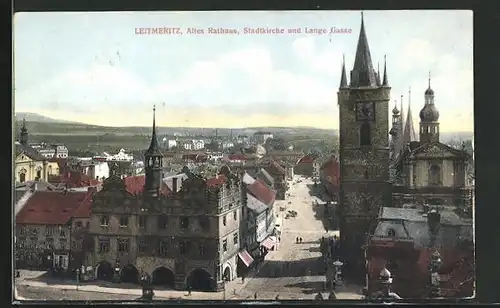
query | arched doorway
(200,280)
(227,274)
(162,276)
(129,274)
(104,271)
(435,175)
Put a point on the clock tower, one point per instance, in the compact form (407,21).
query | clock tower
(364,152)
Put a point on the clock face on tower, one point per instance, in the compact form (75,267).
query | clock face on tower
(365,111)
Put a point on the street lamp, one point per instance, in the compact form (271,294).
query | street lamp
(77,278)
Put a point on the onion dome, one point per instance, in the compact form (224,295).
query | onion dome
(429,91)
(429,113)
(395,111)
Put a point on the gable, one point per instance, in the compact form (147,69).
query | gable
(22,158)
(437,150)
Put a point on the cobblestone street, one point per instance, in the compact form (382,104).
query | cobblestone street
(293,271)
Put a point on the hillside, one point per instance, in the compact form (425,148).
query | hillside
(35,117)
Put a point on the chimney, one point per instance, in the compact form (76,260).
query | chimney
(174,184)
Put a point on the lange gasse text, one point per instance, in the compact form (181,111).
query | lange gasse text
(237,31)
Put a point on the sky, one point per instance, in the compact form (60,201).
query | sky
(98,68)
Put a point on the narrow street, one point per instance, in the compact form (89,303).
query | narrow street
(295,271)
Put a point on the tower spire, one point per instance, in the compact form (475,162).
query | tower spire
(363,74)
(385,82)
(429,79)
(378,74)
(24,133)
(153,146)
(343,76)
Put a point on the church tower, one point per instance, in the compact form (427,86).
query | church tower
(23,138)
(429,116)
(364,151)
(153,165)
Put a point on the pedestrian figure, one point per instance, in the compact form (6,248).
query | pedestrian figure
(242,279)
(255,295)
(189,290)
(300,240)
(297,240)
(277,297)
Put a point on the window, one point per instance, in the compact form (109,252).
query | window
(201,250)
(162,222)
(104,221)
(22,176)
(235,238)
(49,243)
(22,231)
(78,224)
(235,215)
(49,231)
(87,224)
(123,245)
(365,138)
(38,175)
(142,246)
(142,221)
(183,248)
(224,220)
(204,223)
(434,175)
(224,245)
(391,232)
(184,222)
(62,232)
(123,221)
(63,243)
(162,248)
(366,175)
(103,245)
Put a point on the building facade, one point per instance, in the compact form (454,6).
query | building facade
(29,164)
(181,237)
(364,151)
(428,171)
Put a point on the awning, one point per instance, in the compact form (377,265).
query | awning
(245,257)
(268,243)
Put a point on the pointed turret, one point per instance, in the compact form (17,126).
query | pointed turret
(385,82)
(23,139)
(363,74)
(379,83)
(343,76)
(409,131)
(153,164)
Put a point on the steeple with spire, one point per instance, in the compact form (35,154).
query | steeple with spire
(343,76)
(409,130)
(23,138)
(429,116)
(153,164)
(363,74)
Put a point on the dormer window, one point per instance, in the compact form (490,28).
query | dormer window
(391,232)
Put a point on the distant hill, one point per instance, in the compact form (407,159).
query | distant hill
(35,117)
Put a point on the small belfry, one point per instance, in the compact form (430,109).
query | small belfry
(153,164)
(429,116)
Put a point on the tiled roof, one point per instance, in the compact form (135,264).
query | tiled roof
(134,185)
(262,192)
(306,159)
(266,177)
(255,205)
(275,168)
(29,151)
(213,182)
(54,208)
(236,157)
(73,179)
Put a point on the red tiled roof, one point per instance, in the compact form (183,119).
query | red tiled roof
(134,185)
(73,179)
(236,157)
(276,168)
(55,208)
(262,192)
(85,208)
(331,170)
(220,179)
(306,159)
